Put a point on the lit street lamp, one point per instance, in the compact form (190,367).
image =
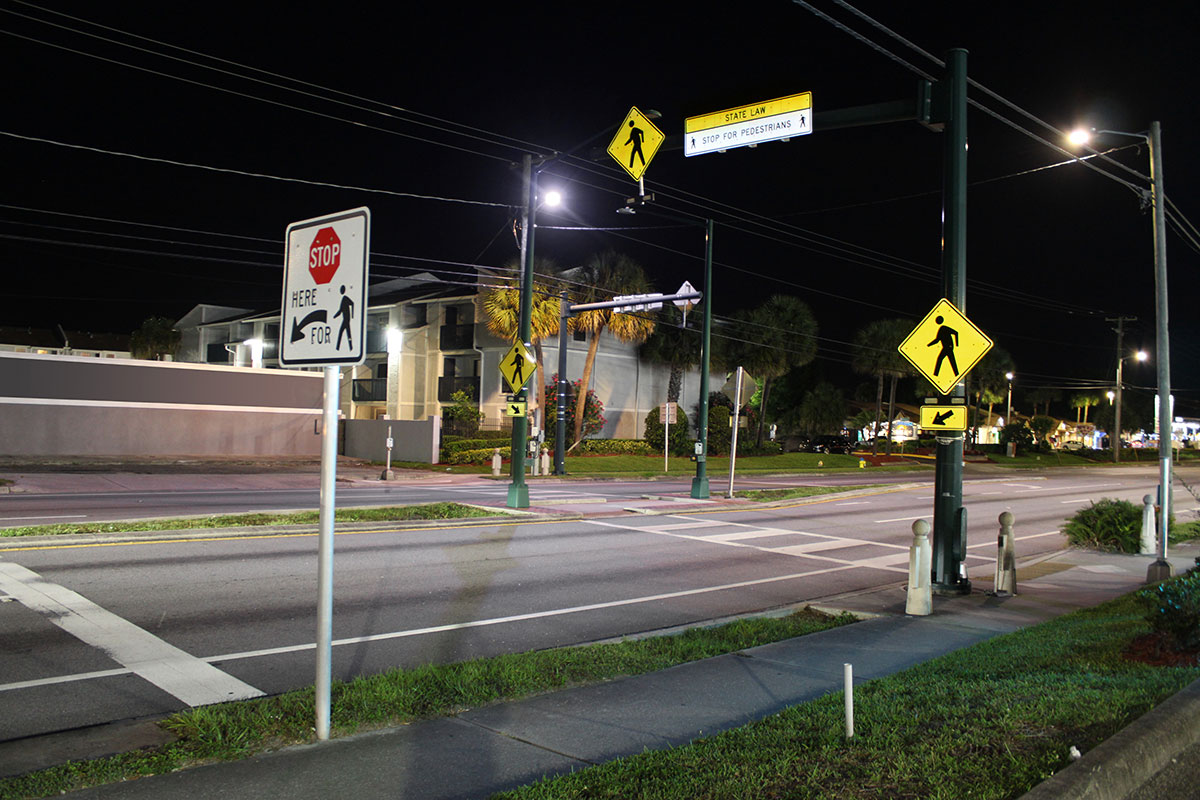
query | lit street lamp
(1161,568)
(1008,416)
(1140,355)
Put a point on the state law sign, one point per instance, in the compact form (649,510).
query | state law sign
(324,305)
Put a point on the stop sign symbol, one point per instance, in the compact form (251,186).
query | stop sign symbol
(324,255)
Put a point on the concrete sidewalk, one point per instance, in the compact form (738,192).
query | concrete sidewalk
(479,752)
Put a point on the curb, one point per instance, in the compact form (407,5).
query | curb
(1132,756)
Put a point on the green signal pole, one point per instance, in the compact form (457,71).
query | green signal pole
(518,490)
(949,516)
(700,482)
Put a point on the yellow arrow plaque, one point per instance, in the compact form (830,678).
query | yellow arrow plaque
(944,418)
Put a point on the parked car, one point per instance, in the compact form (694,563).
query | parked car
(831,444)
(1072,445)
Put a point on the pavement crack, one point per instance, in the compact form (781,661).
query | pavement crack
(525,741)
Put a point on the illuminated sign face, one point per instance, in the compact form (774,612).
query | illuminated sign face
(746,126)
(635,144)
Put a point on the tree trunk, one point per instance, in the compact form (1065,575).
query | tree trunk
(878,414)
(989,416)
(581,397)
(540,391)
(675,385)
(891,412)
(762,410)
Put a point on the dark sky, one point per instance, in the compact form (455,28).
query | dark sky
(439,101)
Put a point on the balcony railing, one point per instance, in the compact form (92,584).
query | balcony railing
(457,337)
(448,386)
(369,390)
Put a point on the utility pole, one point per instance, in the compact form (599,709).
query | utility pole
(949,516)
(518,491)
(1120,331)
(1161,568)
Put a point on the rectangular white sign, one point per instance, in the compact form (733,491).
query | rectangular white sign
(753,124)
(325,290)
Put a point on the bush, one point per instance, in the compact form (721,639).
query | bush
(593,411)
(1016,432)
(1112,525)
(681,437)
(463,417)
(455,444)
(719,432)
(481,456)
(613,447)
(1174,609)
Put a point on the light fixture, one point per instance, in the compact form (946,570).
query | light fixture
(553,198)
(395,339)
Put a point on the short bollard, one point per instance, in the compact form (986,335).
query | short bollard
(848,691)
(1005,584)
(920,565)
(496,462)
(545,458)
(1149,545)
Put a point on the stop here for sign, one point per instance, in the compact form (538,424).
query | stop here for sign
(325,290)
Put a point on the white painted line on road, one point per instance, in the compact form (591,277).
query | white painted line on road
(188,678)
(1019,539)
(902,519)
(1085,487)
(855,503)
(1077,500)
(984,494)
(52,516)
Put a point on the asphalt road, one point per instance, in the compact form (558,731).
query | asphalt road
(96,633)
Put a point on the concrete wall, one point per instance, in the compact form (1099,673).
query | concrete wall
(413,440)
(66,405)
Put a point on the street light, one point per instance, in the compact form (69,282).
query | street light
(1009,375)
(1156,196)
(1140,355)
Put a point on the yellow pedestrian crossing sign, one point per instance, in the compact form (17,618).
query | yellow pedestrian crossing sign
(517,365)
(944,418)
(636,142)
(945,346)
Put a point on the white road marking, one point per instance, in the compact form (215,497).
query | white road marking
(188,678)
(903,519)
(1077,500)
(457,626)
(1019,539)
(855,503)
(52,516)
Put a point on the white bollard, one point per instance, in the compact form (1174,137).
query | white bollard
(496,461)
(920,564)
(545,458)
(1005,583)
(848,691)
(1149,544)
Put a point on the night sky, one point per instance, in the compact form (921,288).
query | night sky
(442,101)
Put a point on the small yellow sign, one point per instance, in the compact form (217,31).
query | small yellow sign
(636,142)
(517,366)
(516,408)
(944,418)
(945,346)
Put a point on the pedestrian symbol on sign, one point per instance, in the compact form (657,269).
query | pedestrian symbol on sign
(948,338)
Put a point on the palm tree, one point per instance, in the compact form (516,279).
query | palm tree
(155,339)
(675,345)
(989,379)
(502,312)
(607,274)
(823,409)
(1082,402)
(875,354)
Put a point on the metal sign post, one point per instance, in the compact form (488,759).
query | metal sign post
(325,288)
(737,408)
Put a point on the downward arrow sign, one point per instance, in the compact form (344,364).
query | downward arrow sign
(298,327)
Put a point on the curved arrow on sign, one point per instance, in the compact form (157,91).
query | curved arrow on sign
(298,326)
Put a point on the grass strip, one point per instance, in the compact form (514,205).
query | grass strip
(989,721)
(237,730)
(378,514)
(771,495)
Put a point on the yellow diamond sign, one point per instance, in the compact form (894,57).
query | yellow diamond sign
(635,144)
(517,366)
(945,346)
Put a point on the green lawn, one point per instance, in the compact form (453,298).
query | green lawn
(990,721)
(237,730)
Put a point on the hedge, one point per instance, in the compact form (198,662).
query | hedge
(481,456)
(614,447)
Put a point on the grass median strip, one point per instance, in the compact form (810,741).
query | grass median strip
(237,730)
(380,514)
(989,721)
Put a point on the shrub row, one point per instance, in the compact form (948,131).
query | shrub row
(459,445)
(614,447)
(481,456)
(1174,609)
